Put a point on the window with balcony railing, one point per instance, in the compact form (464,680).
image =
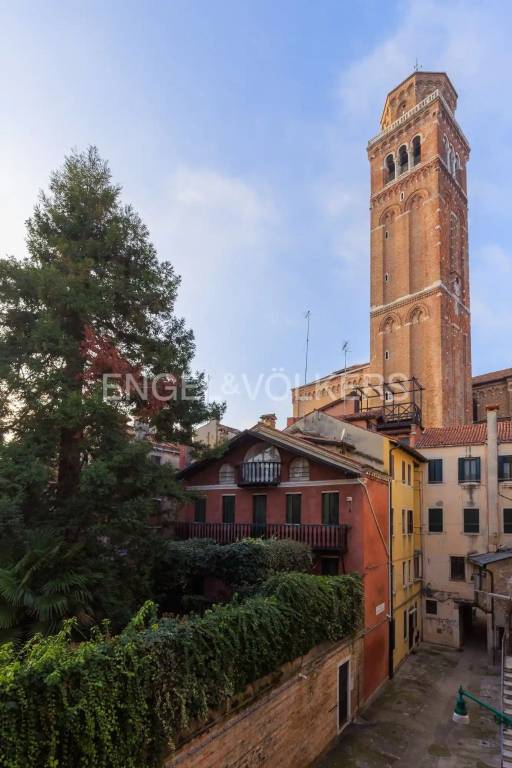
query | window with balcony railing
(262,466)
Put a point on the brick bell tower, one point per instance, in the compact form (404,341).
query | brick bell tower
(419,317)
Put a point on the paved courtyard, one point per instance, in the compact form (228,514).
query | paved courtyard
(410,723)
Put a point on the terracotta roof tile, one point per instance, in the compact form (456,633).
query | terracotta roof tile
(465,434)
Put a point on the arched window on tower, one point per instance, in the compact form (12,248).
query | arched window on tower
(416,150)
(457,166)
(403,159)
(454,244)
(390,171)
(454,163)
(417,315)
(446,151)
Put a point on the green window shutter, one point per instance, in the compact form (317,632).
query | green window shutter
(477,474)
(435,520)
(507,521)
(471,520)
(200,511)
(228,509)
(505,467)
(330,508)
(259,510)
(462,464)
(435,471)
(325,508)
(293,508)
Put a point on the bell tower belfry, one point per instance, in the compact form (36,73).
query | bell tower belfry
(419,317)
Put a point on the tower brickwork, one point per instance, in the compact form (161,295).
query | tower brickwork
(420,314)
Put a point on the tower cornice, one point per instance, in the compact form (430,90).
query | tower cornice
(422,105)
(402,301)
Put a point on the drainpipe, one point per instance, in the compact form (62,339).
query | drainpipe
(391,670)
(493,537)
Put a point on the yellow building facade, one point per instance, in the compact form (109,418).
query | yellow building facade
(404,466)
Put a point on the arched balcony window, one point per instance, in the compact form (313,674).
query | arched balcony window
(261,466)
(403,159)
(390,170)
(416,150)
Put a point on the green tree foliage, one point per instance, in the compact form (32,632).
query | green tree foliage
(120,702)
(46,584)
(91,298)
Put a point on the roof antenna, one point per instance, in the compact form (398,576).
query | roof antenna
(345,351)
(417,66)
(307,315)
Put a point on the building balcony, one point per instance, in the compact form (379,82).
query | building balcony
(258,473)
(393,403)
(321,537)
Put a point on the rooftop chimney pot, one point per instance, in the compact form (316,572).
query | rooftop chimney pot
(268,420)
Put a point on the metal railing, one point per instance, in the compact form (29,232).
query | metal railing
(332,537)
(259,473)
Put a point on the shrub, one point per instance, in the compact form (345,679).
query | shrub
(241,564)
(119,702)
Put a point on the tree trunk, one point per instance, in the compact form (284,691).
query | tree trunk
(69,463)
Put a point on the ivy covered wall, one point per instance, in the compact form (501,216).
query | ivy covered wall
(119,702)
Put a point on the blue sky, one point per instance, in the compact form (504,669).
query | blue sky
(238,130)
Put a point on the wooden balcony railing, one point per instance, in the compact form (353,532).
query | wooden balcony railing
(252,473)
(317,536)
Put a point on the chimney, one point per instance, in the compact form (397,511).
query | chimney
(492,474)
(268,420)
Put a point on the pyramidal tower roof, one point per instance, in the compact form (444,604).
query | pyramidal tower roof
(412,91)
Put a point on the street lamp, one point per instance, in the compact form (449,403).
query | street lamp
(460,714)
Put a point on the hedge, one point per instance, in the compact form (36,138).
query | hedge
(242,564)
(121,702)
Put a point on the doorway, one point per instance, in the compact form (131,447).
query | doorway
(343,695)
(411,628)
(465,622)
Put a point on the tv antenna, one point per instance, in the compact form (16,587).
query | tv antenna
(346,350)
(307,315)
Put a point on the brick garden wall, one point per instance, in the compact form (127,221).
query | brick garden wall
(288,726)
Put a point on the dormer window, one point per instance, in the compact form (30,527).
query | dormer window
(403,159)
(416,150)
(390,171)
(226,474)
(299,469)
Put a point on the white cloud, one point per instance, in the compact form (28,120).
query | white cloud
(221,233)
(216,230)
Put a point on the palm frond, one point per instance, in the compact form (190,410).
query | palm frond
(10,588)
